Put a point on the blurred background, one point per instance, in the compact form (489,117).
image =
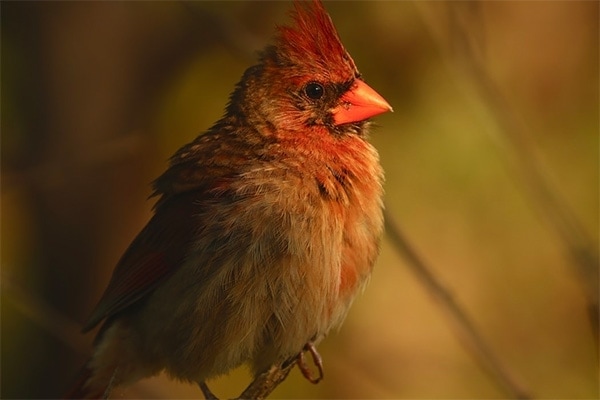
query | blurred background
(97,95)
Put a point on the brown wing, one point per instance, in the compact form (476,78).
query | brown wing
(196,174)
(154,255)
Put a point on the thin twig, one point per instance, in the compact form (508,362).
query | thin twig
(49,319)
(265,383)
(463,325)
(544,195)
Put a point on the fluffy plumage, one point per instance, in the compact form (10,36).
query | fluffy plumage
(265,228)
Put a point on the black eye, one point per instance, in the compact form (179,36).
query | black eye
(314,90)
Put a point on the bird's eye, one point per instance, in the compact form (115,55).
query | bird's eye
(314,90)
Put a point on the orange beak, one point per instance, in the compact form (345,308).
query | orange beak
(359,103)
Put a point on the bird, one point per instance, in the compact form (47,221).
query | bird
(265,227)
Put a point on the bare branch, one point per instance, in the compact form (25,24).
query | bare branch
(545,197)
(463,326)
(46,317)
(265,383)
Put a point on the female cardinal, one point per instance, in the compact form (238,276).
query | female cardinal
(265,228)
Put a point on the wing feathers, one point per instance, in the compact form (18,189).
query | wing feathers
(153,256)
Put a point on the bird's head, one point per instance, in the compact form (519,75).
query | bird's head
(308,79)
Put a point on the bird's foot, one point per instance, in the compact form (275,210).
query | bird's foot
(317,360)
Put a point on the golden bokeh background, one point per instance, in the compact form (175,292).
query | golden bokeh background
(97,95)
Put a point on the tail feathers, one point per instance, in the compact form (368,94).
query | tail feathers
(86,388)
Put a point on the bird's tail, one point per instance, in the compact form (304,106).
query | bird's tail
(85,387)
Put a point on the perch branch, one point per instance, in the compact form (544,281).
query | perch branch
(265,383)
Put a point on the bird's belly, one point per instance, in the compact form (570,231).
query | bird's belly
(263,301)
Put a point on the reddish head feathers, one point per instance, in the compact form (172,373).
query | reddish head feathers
(314,37)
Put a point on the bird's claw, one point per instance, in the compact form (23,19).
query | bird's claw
(317,360)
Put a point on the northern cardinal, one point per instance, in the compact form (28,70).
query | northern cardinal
(265,228)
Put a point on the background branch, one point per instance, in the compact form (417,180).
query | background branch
(461,323)
(463,44)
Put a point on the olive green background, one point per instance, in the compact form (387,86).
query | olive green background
(96,96)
